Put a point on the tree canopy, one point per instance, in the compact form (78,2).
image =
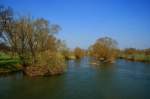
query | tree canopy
(104,49)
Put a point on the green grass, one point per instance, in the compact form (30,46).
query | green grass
(147,58)
(8,64)
(137,57)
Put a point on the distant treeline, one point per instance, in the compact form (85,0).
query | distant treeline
(135,54)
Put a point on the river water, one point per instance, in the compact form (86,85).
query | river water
(121,80)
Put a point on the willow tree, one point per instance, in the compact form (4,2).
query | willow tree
(31,39)
(79,53)
(6,24)
(104,49)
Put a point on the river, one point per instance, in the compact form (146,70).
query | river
(121,80)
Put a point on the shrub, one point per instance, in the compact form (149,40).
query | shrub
(104,49)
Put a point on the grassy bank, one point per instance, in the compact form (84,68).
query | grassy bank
(136,57)
(8,64)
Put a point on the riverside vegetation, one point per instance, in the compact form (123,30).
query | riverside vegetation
(32,41)
(133,54)
(29,45)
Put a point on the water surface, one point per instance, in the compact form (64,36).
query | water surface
(122,80)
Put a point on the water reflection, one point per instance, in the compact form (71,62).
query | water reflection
(128,80)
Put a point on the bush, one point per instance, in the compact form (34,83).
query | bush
(79,53)
(48,63)
(104,49)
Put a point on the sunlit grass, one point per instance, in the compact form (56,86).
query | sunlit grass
(8,64)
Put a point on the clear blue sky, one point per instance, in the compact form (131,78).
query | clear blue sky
(84,21)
